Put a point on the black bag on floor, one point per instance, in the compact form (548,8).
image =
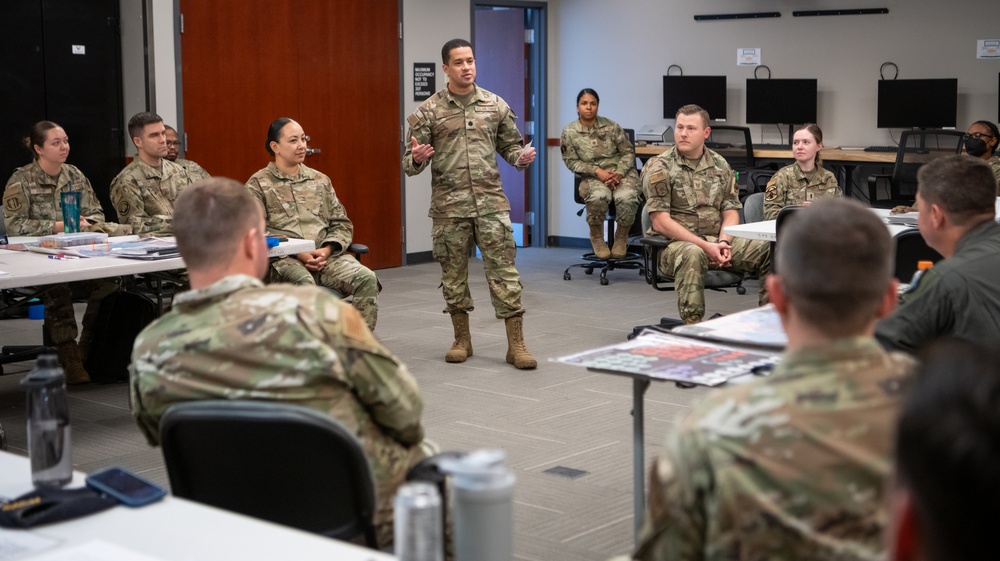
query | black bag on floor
(123,315)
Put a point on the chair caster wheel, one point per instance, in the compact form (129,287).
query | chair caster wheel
(588,271)
(604,281)
(566,276)
(740,290)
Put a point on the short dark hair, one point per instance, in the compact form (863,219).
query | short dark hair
(36,136)
(210,218)
(834,260)
(692,109)
(274,132)
(168,127)
(962,186)
(140,120)
(452,45)
(586,91)
(948,450)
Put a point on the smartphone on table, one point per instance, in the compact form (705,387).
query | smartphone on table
(128,488)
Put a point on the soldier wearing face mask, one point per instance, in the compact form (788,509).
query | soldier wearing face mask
(981,141)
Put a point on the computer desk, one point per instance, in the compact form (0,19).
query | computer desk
(173,529)
(848,159)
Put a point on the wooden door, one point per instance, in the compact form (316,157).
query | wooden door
(331,66)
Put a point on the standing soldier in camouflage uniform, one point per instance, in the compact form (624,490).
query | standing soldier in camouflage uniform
(144,192)
(195,172)
(690,197)
(231,337)
(793,466)
(597,149)
(463,127)
(32,206)
(300,202)
(804,181)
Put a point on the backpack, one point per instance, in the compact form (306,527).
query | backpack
(122,316)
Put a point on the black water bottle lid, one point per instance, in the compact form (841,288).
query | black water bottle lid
(47,373)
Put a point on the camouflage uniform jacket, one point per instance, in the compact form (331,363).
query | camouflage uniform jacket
(465,180)
(783,468)
(144,196)
(604,146)
(32,202)
(302,206)
(238,339)
(694,193)
(195,171)
(792,186)
(994,164)
(957,297)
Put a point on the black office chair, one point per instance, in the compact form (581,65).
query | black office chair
(284,463)
(916,148)
(911,248)
(735,144)
(632,260)
(715,279)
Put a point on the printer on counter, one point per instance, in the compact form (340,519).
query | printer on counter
(653,134)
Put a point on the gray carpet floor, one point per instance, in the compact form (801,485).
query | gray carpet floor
(555,416)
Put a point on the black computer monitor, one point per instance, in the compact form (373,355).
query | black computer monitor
(930,104)
(781,101)
(708,92)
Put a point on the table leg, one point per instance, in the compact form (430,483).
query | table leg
(639,386)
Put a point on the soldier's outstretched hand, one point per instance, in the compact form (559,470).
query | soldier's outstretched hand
(420,152)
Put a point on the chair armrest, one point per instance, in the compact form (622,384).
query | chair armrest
(357,249)
(654,241)
(873,184)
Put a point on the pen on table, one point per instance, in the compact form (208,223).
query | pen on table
(62,256)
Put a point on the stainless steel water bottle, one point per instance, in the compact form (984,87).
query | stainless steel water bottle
(48,424)
(417,521)
(482,492)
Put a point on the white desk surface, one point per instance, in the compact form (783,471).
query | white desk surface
(27,268)
(766,230)
(179,530)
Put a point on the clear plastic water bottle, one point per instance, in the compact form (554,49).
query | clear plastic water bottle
(482,492)
(48,424)
(418,532)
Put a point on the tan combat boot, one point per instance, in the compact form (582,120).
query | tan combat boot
(69,358)
(620,247)
(86,338)
(597,240)
(461,349)
(517,353)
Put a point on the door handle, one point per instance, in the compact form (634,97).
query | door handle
(311,151)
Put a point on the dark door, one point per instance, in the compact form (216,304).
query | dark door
(62,63)
(332,66)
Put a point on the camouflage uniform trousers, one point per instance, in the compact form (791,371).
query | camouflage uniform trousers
(453,239)
(687,263)
(342,274)
(598,197)
(60,318)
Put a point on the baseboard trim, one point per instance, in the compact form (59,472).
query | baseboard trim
(419,257)
(562,241)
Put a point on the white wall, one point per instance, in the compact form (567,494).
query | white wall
(165,69)
(925,38)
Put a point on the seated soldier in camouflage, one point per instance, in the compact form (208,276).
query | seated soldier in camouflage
(174,145)
(804,181)
(231,337)
(144,192)
(300,202)
(690,197)
(32,206)
(598,149)
(792,466)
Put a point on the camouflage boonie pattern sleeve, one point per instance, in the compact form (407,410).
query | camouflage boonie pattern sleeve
(791,186)
(695,196)
(237,339)
(302,206)
(625,151)
(465,180)
(144,196)
(33,203)
(994,163)
(195,171)
(789,467)
(576,160)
